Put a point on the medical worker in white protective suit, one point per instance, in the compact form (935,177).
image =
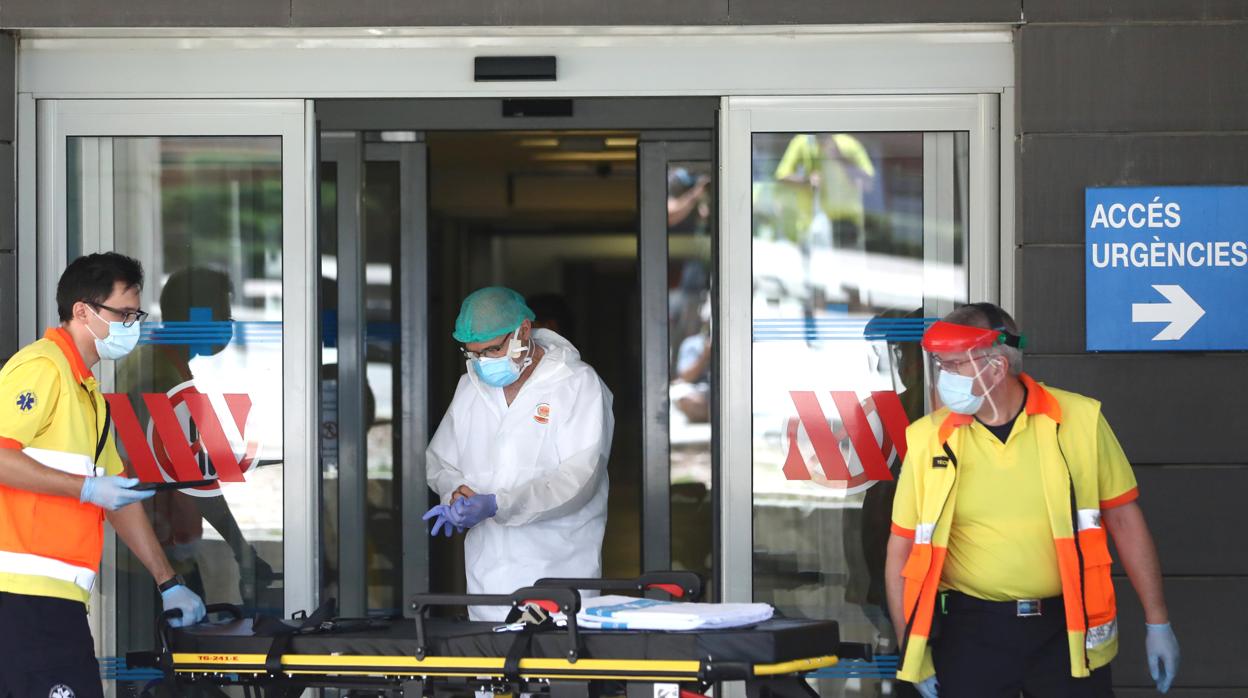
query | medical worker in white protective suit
(520,459)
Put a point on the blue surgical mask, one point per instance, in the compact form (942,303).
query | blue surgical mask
(955,392)
(502,371)
(497,372)
(121,340)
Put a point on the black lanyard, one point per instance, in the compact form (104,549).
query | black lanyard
(108,422)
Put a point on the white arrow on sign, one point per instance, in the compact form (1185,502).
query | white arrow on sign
(1181,312)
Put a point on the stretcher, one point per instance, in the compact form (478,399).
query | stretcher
(433,656)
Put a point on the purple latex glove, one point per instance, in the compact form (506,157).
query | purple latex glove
(443,521)
(467,512)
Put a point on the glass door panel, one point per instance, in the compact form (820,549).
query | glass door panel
(213,209)
(199,396)
(866,219)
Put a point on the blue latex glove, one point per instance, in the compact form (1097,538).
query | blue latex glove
(186,601)
(111,492)
(467,512)
(928,688)
(443,522)
(1163,654)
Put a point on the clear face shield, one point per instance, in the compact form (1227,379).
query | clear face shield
(965,368)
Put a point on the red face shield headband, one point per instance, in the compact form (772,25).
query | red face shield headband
(943,337)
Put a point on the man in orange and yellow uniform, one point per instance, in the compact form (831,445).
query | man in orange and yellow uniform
(998,568)
(60,477)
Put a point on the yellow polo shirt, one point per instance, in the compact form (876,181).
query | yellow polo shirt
(50,400)
(1000,543)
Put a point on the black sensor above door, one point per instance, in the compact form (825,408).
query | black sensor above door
(514,68)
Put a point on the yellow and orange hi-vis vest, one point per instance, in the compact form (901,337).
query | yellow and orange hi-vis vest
(1067,438)
(52,410)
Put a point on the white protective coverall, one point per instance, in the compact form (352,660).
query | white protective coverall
(544,458)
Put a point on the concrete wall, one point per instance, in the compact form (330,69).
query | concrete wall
(339,13)
(1137,92)
(8,198)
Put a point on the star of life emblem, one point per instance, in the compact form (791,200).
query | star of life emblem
(26,401)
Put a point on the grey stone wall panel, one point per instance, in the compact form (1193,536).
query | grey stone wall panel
(1050,298)
(1164,408)
(8,306)
(1206,613)
(871,11)
(145,13)
(8,200)
(1124,78)
(8,88)
(507,12)
(1213,514)
(1054,170)
(1134,10)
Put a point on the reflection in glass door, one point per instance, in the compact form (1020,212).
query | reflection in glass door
(857,239)
(215,214)
(374,548)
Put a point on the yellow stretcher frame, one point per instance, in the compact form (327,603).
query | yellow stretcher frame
(389,666)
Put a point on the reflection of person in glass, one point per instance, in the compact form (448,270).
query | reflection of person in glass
(830,173)
(866,530)
(520,458)
(201,295)
(691,384)
(688,206)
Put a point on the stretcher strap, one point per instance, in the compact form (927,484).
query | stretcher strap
(536,619)
(283,633)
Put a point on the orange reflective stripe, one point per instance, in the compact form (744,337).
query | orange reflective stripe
(1125,498)
(902,531)
(61,338)
(1072,586)
(13,444)
(1098,588)
(923,591)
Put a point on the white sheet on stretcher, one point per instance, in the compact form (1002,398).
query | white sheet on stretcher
(630,613)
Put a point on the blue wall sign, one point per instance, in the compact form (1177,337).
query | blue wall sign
(1167,268)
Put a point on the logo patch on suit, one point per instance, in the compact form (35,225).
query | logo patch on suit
(27,401)
(542,414)
(60,690)
(940,462)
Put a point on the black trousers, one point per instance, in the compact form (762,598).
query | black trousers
(46,649)
(985,650)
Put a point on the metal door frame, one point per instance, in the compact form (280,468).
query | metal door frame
(348,149)
(671,129)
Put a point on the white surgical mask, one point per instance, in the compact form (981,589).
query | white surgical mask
(956,390)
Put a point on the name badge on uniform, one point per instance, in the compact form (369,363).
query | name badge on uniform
(940,462)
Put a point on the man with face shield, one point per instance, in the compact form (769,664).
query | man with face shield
(520,459)
(998,568)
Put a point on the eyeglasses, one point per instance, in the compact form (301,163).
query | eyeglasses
(492,352)
(128,317)
(955,365)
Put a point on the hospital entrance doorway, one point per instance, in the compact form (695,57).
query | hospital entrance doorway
(601,213)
